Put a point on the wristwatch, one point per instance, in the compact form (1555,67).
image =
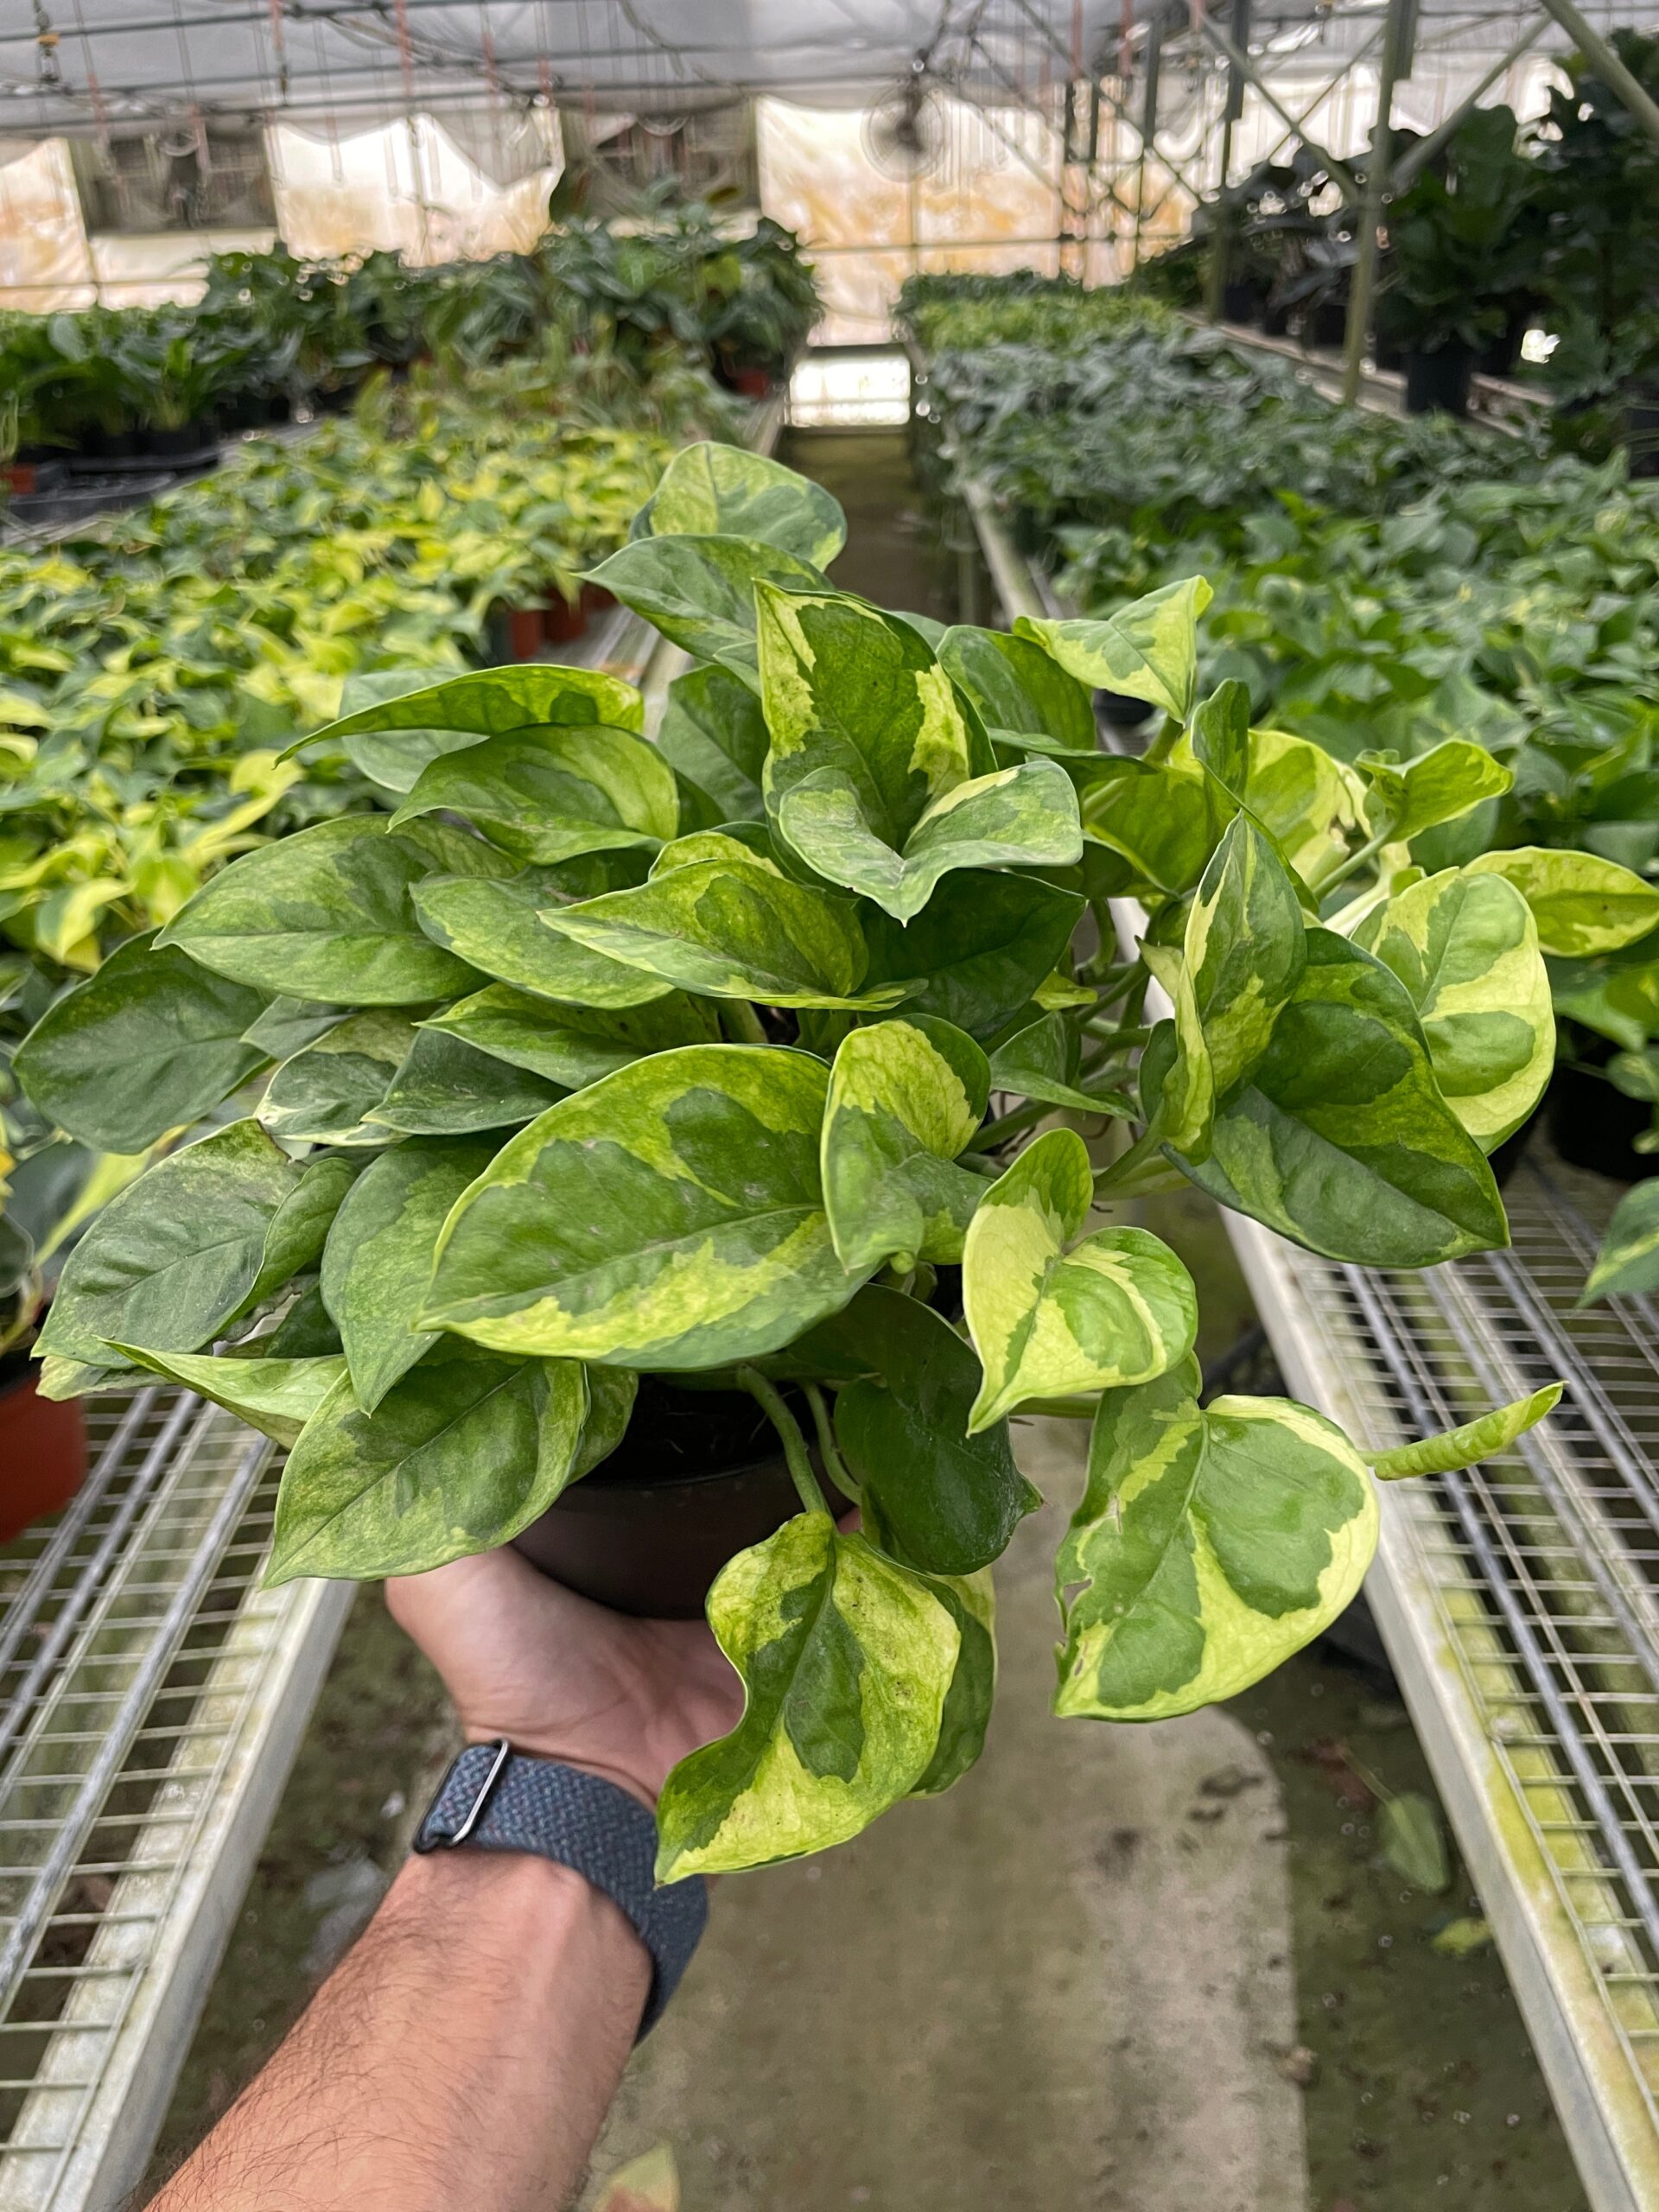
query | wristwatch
(496,1799)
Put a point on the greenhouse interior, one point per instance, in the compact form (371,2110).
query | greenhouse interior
(828,1055)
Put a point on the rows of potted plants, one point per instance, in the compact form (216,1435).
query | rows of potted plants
(1379,586)
(641,1150)
(1555,221)
(274,331)
(151,676)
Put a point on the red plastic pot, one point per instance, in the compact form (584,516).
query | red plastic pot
(595,600)
(751,383)
(526,633)
(563,619)
(20,477)
(42,1455)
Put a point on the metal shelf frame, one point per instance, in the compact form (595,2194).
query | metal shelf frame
(1518,1601)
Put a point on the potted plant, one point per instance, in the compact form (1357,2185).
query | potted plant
(1464,240)
(648,1135)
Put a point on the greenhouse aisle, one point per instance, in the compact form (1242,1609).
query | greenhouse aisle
(1071,1983)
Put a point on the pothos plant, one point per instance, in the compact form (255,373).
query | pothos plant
(700,1057)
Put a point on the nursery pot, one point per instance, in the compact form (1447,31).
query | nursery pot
(20,477)
(595,600)
(184,443)
(1591,1124)
(1241,303)
(526,633)
(699,1476)
(42,1449)
(1499,356)
(1122,712)
(1438,382)
(1328,324)
(563,619)
(746,381)
(1642,435)
(1276,319)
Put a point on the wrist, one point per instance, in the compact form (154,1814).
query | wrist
(643,1783)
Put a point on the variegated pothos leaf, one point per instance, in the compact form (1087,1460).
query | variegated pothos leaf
(904,1098)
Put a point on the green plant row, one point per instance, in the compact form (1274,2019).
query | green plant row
(1379,585)
(605,1060)
(151,676)
(274,329)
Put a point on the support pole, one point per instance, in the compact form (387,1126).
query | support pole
(1216,273)
(1376,180)
(1418,157)
(1149,121)
(1591,43)
(1242,61)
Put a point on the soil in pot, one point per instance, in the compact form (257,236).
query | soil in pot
(1592,1124)
(699,1476)
(42,1449)
(1437,384)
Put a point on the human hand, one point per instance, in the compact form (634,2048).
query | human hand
(562,1678)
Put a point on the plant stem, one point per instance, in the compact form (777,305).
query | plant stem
(1061,1408)
(742,1024)
(1355,861)
(993,1134)
(789,1434)
(828,1451)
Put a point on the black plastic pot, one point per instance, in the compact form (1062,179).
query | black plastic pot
(1327,325)
(1121,711)
(1593,1125)
(1437,384)
(1241,304)
(698,1477)
(1275,320)
(1641,436)
(194,442)
(1388,356)
(1499,356)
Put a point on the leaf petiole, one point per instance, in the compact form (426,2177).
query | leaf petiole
(828,1451)
(771,1402)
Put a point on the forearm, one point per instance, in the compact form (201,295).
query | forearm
(464,2053)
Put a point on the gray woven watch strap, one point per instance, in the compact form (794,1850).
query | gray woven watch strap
(581,1821)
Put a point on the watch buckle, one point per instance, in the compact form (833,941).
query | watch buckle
(475,1811)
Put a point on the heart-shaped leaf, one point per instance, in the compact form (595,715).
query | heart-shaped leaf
(1166,821)
(1147,650)
(1023,816)
(1116,1309)
(275,1397)
(1581,904)
(846,1658)
(1341,1139)
(1465,947)
(727,491)
(1040,1061)
(497,927)
(735,929)
(1209,1547)
(670,1216)
(378,1261)
(1627,1265)
(145,1045)
(574,1046)
(935,1496)
(978,952)
(325,1093)
(491,700)
(458,1456)
(699,592)
(323,914)
(904,1098)
(1020,691)
(546,795)
(1244,948)
(713,735)
(1437,786)
(182,1251)
(446,1087)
